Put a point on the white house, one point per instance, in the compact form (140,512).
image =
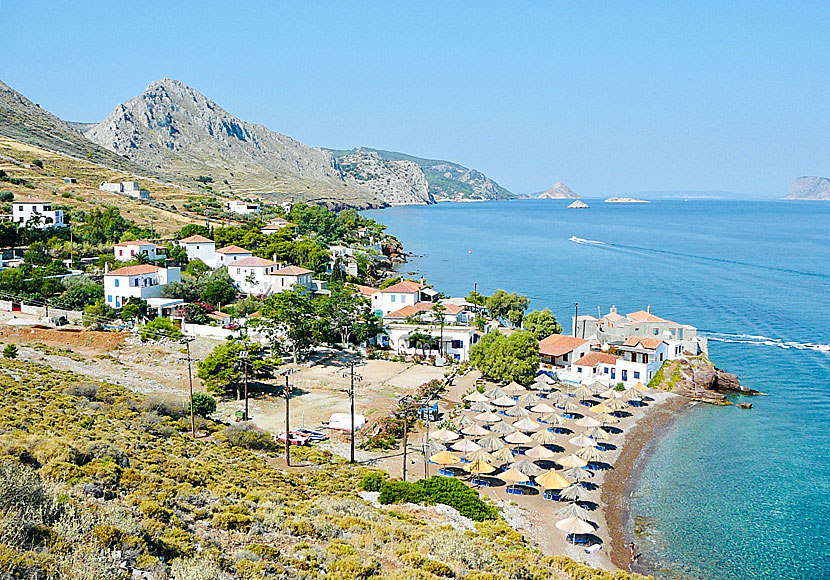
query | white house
(142,281)
(592,367)
(642,357)
(230,254)
(406,293)
(241,207)
(252,275)
(560,350)
(129,188)
(288,277)
(199,248)
(126,251)
(278,224)
(453,314)
(457,340)
(36,212)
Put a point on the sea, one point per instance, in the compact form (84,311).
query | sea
(726,494)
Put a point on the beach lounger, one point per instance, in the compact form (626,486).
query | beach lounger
(480,482)
(593,549)
(515,491)
(446,473)
(551,496)
(576,539)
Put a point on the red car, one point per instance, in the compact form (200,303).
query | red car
(295,438)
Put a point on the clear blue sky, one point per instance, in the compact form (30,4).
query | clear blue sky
(617,97)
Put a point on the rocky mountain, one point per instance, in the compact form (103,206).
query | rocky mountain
(558,191)
(810,188)
(398,182)
(26,122)
(447,181)
(182,134)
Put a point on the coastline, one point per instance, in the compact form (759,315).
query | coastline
(621,481)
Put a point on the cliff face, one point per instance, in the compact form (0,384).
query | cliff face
(558,191)
(698,378)
(397,182)
(810,188)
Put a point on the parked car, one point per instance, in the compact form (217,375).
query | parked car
(295,438)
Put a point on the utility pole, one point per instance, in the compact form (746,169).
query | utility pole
(350,392)
(287,436)
(190,377)
(406,407)
(475,293)
(244,357)
(426,443)
(576,316)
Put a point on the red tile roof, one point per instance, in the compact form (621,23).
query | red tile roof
(233,250)
(594,358)
(559,344)
(134,270)
(647,343)
(31,200)
(406,311)
(614,317)
(137,243)
(643,316)
(196,240)
(290,271)
(405,286)
(253,261)
(365,290)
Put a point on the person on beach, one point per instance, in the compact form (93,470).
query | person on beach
(633,556)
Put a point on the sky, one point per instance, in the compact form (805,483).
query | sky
(607,97)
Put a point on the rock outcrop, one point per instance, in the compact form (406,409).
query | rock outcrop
(558,191)
(698,378)
(398,182)
(810,188)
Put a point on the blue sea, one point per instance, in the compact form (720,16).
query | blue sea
(729,494)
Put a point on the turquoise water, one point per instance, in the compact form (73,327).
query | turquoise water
(731,494)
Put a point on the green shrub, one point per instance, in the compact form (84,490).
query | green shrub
(436,489)
(160,328)
(10,351)
(38,163)
(248,436)
(203,405)
(373,481)
(236,517)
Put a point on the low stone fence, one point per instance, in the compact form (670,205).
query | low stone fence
(42,311)
(208,331)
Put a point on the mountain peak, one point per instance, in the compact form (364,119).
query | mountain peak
(558,191)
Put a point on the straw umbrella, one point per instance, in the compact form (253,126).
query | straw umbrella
(572,510)
(445,458)
(434,447)
(578,474)
(574,492)
(596,387)
(480,466)
(443,435)
(517,411)
(608,419)
(632,394)
(540,452)
(494,393)
(487,417)
(552,480)
(465,421)
(568,406)
(558,396)
(481,407)
(503,454)
(465,446)
(587,422)
(514,387)
(597,434)
(552,419)
(518,438)
(544,437)
(482,454)
(572,461)
(514,476)
(616,404)
(609,394)
(582,441)
(502,428)
(504,401)
(529,399)
(476,397)
(527,467)
(574,525)
(583,392)
(591,454)
(526,424)
(601,408)
(641,387)
(492,443)
(542,408)
(475,430)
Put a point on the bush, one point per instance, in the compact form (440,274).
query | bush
(175,409)
(203,405)
(38,163)
(248,436)
(159,328)
(10,351)
(442,490)
(373,481)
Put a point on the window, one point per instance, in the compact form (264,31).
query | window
(391,298)
(625,375)
(605,370)
(579,369)
(656,332)
(116,282)
(109,298)
(661,357)
(613,373)
(458,344)
(238,270)
(636,374)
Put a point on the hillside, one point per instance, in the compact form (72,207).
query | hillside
(810,188)
(447,181)
(25,122)
(558,191)
(180,133)
(100,482)
(398,182)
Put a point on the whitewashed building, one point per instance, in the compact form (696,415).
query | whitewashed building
(128,188)
(144,281)
(278,224)
(560,350)
(37,213)
(241,207)
(289,277)
(230,254)
(252,275)
(455,341)
(126,251)
(199,248)
(405,293)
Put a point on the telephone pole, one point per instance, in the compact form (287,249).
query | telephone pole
(406,408)
(350,392)
(244,358)
(287,435)
(190,378)
(576,316)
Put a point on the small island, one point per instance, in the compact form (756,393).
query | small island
(625,200)
(578,204)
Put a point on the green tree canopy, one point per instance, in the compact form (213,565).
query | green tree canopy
(507,358)
(346,315)
(290,322)
(502,305)
(542,323)
(223,371)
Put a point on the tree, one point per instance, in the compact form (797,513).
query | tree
(38,163)
(189,289)
(194,230)
(195,313)
(438,311)
(288,320)
(37,255)
(222,369)
(342,311)
(159,328)
(10,351)
(134,309)
(510,306)
(390,282)
(542,323)
(422,340)
(507,358)
(97,313)
(197,268)
(203,404)
(219,288)
(80,292)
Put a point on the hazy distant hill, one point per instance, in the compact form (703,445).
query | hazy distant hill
(810,188)
(179,132)
(558,191)
(24,121)
(447,181)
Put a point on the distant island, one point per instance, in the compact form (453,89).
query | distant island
(625,200)
(578,204)
(558,191)
(810,187)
